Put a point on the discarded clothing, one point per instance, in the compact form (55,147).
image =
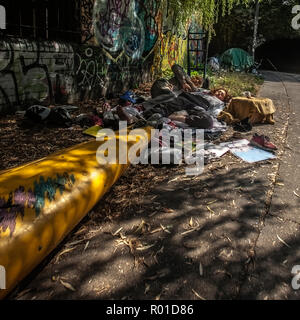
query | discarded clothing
(214,64)
(128,97)
(214,105)
(129,114)
(111,120)
(179,116)
(243,126)
(203,121)
(88,120)
(161,87)
(168,104)
(37,113)
(217,126)
(216,131)
(258,110)
(59,115)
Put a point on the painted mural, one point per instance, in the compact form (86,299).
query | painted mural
(173,45)
(126,27)
(44,190)
(172,50)
(128,33)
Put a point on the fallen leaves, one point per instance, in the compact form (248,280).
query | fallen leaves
(168,210)
(212,202)
(134,244)
(86,246)
(201,271)
(159,275)
(34,143)
(145,247)
(296,194)
(223,272)
(198,295)
(212,213)
(282,241)
(193,225)
(226,253)
(63,253)
(143,228)
(67,285)
(117,232)
(99,291)
(147,289)
(23,293)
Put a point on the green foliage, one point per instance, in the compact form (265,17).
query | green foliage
(236,29)
(167,74)
(205,12)
(196,74)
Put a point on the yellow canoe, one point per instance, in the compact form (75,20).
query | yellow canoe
(41,202)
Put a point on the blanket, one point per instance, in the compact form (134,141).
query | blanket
(258,110)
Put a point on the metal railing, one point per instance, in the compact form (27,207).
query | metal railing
(198,46)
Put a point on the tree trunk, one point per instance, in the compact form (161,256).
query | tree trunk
(256,19)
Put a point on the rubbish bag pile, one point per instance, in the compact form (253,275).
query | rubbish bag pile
(176,104)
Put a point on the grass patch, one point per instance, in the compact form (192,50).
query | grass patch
(237,82)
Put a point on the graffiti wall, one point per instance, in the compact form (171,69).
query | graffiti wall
(172,44)
(124,43)
(53,72)
(127,31)
(32,72)
(91,68)
(127,27)
(173,50)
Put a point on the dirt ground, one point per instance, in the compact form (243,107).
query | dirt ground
(159,234)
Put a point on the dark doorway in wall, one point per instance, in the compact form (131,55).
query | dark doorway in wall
(43,19)
(282,53)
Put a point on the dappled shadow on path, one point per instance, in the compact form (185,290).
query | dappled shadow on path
(197,238)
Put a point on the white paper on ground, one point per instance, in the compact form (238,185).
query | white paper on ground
(214,151)
(235,144)
(251,154)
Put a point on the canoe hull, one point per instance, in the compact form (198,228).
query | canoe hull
(42,202)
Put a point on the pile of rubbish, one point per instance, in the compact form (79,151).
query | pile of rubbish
(177,104)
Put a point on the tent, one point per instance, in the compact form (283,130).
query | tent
(236,59)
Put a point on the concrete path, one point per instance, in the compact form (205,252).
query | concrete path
(278,245)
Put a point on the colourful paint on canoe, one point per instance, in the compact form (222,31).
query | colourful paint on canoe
(41,202)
